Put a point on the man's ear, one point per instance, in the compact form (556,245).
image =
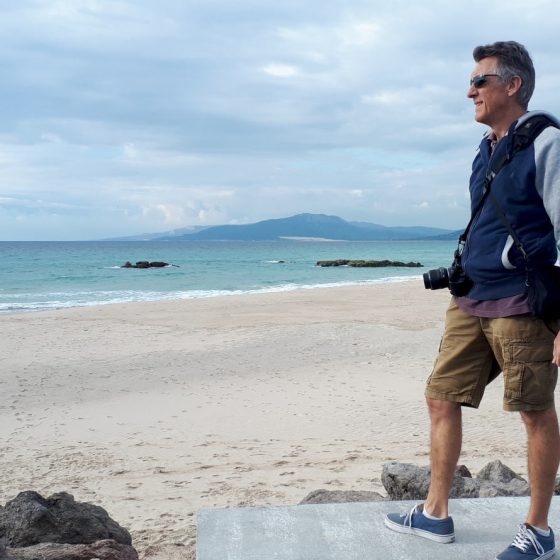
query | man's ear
(514,86)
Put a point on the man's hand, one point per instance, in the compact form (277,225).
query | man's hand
(556,350)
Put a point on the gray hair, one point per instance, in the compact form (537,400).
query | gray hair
(513,60)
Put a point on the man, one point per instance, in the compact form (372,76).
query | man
(492,329)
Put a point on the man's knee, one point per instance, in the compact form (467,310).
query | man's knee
(442,410)
(535,419)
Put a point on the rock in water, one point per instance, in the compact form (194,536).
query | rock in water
(368,264)
(30,519)
(146,264)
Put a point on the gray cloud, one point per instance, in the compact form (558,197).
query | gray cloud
(121,117)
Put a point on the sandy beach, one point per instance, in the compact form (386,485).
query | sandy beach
(155,410)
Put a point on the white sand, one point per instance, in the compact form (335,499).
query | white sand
(156,410)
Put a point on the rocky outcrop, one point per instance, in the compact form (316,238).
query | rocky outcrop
(404,481)
(368,264)
(102,550)
(146,264)
(340,497)
(29,519)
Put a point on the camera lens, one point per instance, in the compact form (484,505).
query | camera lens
(436,279)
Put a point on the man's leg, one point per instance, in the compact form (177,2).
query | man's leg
(431,520)
(461,371)
(445,445)
(543,442)
(525,344)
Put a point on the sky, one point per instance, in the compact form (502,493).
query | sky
(120,117)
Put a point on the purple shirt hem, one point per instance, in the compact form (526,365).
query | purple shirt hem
(495,308)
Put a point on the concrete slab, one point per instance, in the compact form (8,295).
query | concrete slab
(483,528)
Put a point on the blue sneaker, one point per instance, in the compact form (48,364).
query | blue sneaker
(529,545)
(416,523)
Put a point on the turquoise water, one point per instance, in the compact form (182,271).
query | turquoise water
(50,275)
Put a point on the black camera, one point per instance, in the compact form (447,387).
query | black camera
(454,278)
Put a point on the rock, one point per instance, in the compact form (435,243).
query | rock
(496,471)
(340,497)
(368,264)
(102,550)
(463,471)
(30,519)
(147,264)
(333,263)
(516,488)
(404,481)
(557,486)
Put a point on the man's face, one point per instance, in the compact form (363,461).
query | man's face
(491,100)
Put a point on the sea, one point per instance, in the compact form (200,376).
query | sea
(36,276)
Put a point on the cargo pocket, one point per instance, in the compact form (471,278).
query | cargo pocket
(529,375)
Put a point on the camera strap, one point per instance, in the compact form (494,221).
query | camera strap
(522,137)
(510,229)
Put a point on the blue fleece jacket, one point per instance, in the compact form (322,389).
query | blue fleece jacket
(528,191)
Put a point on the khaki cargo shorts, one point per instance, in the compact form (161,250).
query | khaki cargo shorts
(475,350)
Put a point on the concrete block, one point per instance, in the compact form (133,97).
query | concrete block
(355,531)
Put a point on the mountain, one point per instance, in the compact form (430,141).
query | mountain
(451,236)
(318,226)
(173,234)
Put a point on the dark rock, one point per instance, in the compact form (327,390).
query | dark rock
(557,486)
(463,471)
(404,481)
(103,550)
(368,264)
(30,519)
(146,264)
(340,497)
(496,471)
(333,263)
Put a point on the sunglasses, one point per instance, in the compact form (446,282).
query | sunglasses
(480,80)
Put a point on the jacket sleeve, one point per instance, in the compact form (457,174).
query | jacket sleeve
(547,178)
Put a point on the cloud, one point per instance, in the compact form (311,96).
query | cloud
(143,156)
(124,117)
(281,70)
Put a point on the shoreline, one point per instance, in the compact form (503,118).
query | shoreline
(154,410)
(207,294)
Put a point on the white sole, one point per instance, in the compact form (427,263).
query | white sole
(546,555)
(443,539)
